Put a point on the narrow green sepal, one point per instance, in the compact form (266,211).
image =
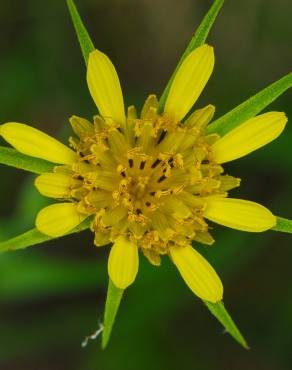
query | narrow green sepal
(197,40)
(11,157)
(34,237)
(219,311)
(284,225)
(113,300)
(251,107)
(84,39)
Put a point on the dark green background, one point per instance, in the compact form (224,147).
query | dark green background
(52,296)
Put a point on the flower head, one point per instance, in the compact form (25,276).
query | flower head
(149,182)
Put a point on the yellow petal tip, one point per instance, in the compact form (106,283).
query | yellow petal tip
(58,219)
(104,86)
(123,262)
(189,81)
(198,274)
(249,136)
(35,143)
(239,214)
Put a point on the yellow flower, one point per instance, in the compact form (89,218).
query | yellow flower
(149,182)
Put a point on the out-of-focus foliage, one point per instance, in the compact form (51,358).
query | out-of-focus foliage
(52,296)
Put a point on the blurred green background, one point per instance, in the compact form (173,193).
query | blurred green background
(52,296)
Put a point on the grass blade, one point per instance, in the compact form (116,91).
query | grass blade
(221,314)
(34,237)
(11,157)
(83,36)
(284,225)
(113,300)
(197,40)
(250,107)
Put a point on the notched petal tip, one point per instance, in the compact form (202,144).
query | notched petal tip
(92,53)
(210,49)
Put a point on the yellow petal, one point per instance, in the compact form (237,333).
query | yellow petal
(104,86)
(189,82)
(55,185)
(151,102)
(58,219)
(198,274)
(250,136)
(200,117)
(239,214)
(113,216)
(82,127)
(35,143)
(132,112)
(123,263)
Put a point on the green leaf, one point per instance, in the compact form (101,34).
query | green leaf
(250,107)
(284,225)
(83,36)
(113,300)
(13,158)
(197,40)
(221,314)
(33,237)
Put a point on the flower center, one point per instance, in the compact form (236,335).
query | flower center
(147,180)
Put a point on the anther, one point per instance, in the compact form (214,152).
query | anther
(142,165)
(161,137)
(156,163)
(161,178)
(170,162)
(131,162)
